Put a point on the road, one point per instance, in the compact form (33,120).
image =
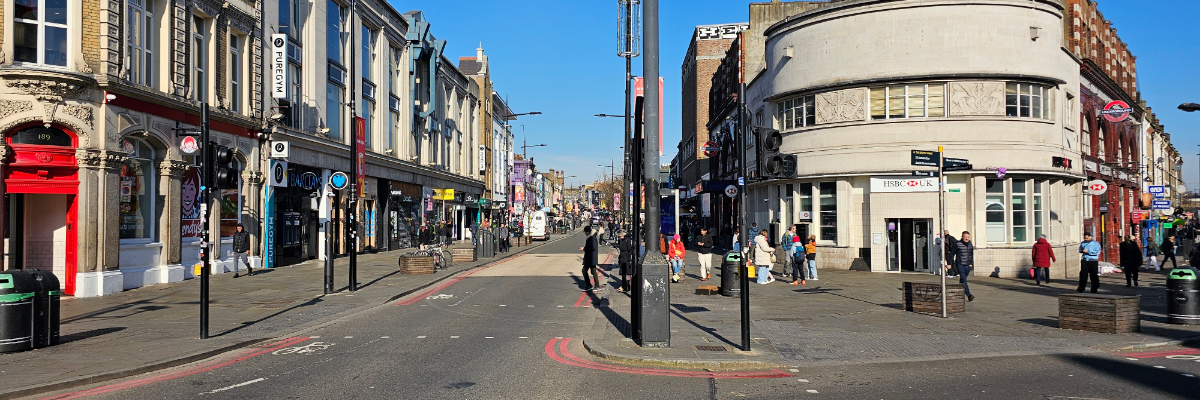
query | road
(511,330)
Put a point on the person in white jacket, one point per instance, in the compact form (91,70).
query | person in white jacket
(762,258)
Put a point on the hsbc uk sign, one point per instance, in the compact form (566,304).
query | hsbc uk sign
(903,184)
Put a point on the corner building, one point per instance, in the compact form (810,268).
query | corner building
(855,86)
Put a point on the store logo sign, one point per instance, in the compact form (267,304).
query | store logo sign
(903,184)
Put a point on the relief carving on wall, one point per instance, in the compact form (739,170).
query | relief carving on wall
(173,168)
(976,98)
(11,107)
(81,112)
(842,105)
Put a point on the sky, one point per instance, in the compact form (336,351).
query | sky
(560,58)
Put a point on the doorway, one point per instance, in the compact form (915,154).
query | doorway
(42,237)
(908,244)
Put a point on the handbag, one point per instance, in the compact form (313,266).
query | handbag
(1033,273)
(773,259)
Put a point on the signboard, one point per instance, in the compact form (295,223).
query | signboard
(279,173)
(925,173)
(306,181)
(806,215)
(903,184)
(616,201)
(958,167)
(1161,204)
(1138,215)
(955,161)
(339,180)
(1097,187)
(1115,111)
(360,155)
(188,145)
(925,158)
(731,191)
(706,204)
(279,66)
(189,190)
(640,91)
(280,149)
(711,148)
(1157,191)
(482,159)
(443,194)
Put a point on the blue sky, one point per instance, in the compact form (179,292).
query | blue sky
(559,57)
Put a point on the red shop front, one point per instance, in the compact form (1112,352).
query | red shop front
(41,187)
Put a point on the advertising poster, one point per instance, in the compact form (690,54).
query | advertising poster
(189,190)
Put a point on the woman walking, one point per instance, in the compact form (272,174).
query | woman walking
(810,256)
(762,258)
(1043,255)
(1152,254)
(1131,260)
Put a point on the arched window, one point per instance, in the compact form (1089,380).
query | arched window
(138,191)
(41,135)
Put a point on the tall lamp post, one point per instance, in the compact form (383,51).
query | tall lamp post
(1191,107)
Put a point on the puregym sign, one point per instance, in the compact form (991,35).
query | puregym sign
(904,184)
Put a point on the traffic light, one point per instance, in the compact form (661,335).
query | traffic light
(772,164)
(225,173)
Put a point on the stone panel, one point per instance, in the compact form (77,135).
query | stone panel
(976,98)
(843,105)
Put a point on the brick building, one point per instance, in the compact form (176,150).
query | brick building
(708,46)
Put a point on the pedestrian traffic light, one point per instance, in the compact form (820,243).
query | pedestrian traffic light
(772,164)
(225,173)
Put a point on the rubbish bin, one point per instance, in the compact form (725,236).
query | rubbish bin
(729,274)
(17,291)
(1183,304)
(45,308)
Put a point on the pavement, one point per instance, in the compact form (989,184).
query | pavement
(157,327)
(850,317)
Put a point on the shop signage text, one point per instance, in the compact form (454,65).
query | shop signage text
(280,149)
(306,181)
(279,66)
(279,175)
(1157,191)
(1161,204)
(903,184)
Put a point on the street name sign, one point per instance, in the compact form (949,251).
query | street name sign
(955,161)
(958,167)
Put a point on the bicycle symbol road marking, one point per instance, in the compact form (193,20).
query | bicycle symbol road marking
(311,348)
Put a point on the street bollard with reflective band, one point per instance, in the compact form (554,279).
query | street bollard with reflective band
(17,291)
(1183,302)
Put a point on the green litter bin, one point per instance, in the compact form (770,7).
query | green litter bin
(17,291)
(1183,304)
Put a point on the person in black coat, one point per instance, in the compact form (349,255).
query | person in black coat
(951,252)
(625,259)
(1168,249)
(1131,260)
(241,250)
(590,259)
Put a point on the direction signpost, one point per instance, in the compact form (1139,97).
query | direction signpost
(926,158)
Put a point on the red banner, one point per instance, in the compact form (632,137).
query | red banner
(360,155)
(640,91)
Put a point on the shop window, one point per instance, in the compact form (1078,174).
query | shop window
(333,110)
(40,32)
(828,211)
(908,101)
(1020,211)
(996,211)
(137,191)
(41,135)
(335,41)
(230,203)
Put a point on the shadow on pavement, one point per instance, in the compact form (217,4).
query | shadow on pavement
(378,279)
(1148,378)
(280,312)
(145,307)
(90,334)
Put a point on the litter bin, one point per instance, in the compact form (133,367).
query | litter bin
(17,291)
(1183,304)
(729,274)
(45,308)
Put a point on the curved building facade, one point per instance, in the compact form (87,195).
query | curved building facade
(856,86)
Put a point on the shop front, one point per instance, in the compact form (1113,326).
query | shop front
(403,214)
(297,215)
(41,200)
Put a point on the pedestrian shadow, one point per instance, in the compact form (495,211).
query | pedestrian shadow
(246,324)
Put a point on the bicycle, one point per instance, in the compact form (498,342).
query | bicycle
(441,258)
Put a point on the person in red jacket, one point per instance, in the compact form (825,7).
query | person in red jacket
(1043,255)
(675,255)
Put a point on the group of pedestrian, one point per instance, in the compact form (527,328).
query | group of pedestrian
(800,256)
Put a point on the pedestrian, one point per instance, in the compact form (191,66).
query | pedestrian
(810,257)
(1043,255)
(763,254)
(589,249)
(951,251)
(754,230)
(1089,264)
(675,255)
(789,249)
(1168,250)
(965,257)
(1131,260)
(736,246)
(625,259)
(1194,258)
(1152,254)
(241,250)
(799,260)
(504,244)
(704,245)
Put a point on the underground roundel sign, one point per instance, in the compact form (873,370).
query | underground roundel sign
(1097,187)
(711,148)
(1115,111)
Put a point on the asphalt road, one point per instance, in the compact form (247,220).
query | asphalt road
(496,334)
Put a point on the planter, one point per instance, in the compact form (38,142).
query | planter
(416,265)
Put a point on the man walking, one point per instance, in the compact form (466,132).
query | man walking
(241,250)
(625,259)
(964,251)
(1131,260)
(504,239)
(789,249)
(1168,249)
(704,245)
(1089,264)
(589,249)
(1043,255)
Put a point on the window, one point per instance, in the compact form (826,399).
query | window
(1025,100)
(199,60)
(291,18)
(806,201)
(994,206)
(908,101)
(333,110)
(139,31)
(797,112)
(787,194)
(1039,224)
(1020,211)
(828,211)
(335,40)
(40,32)
(368,53)
(137,193)
(293,111)
(235,73)
(368,114)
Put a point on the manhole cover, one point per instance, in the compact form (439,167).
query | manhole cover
(711,348)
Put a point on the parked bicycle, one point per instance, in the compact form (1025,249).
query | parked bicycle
(441,257)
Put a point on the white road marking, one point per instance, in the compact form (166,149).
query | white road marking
(385,337)
(421,337)
(454,337)
(1131,359)
(802,380)
(348,337)
(811,391)
(502,305)
(793,370)
(237,385)
(1189,375)
(1159,366)
(523,337)
(531,306)
(560,306)
(314,337)
(488,337)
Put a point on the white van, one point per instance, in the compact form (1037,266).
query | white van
(538,226)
